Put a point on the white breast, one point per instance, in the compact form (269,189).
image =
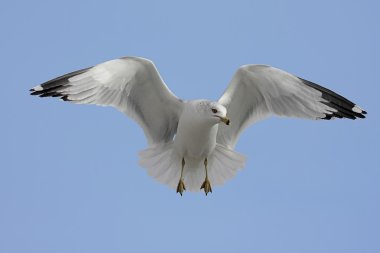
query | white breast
(195,138)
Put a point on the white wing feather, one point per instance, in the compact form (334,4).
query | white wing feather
(132,85)
(258,91)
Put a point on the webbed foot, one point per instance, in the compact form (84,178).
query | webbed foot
(181,187)
(206,186)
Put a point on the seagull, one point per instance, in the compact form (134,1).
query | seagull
(191,143)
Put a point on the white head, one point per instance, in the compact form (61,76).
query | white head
(211,111)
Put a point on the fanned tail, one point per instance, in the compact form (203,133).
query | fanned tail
(164,164)
(224,164)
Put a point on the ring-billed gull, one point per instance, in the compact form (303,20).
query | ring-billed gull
(188,148)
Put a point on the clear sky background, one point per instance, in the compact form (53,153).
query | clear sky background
(69,175)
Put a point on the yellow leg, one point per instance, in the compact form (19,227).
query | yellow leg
(206,186)
(181,185)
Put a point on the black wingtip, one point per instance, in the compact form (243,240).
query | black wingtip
(65,98)
(343,108)
(360,116)
(54,87)
(35,93)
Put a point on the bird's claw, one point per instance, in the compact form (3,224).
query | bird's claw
(206,186)
(181,187)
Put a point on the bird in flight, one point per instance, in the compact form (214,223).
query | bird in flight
(191,143)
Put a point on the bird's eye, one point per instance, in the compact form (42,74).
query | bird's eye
(214,110)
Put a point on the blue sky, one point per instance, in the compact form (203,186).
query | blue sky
(69,177)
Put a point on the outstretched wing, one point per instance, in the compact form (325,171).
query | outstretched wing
(132,85)
(258,91)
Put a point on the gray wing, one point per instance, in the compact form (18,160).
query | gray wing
(132,85)
(258,91)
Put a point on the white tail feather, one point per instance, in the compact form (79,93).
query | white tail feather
(164,164)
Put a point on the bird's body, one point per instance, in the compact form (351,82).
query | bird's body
(196,137)
(194,142)
(188,147)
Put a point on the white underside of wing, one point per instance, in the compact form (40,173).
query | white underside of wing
(132,85)
(258,91)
